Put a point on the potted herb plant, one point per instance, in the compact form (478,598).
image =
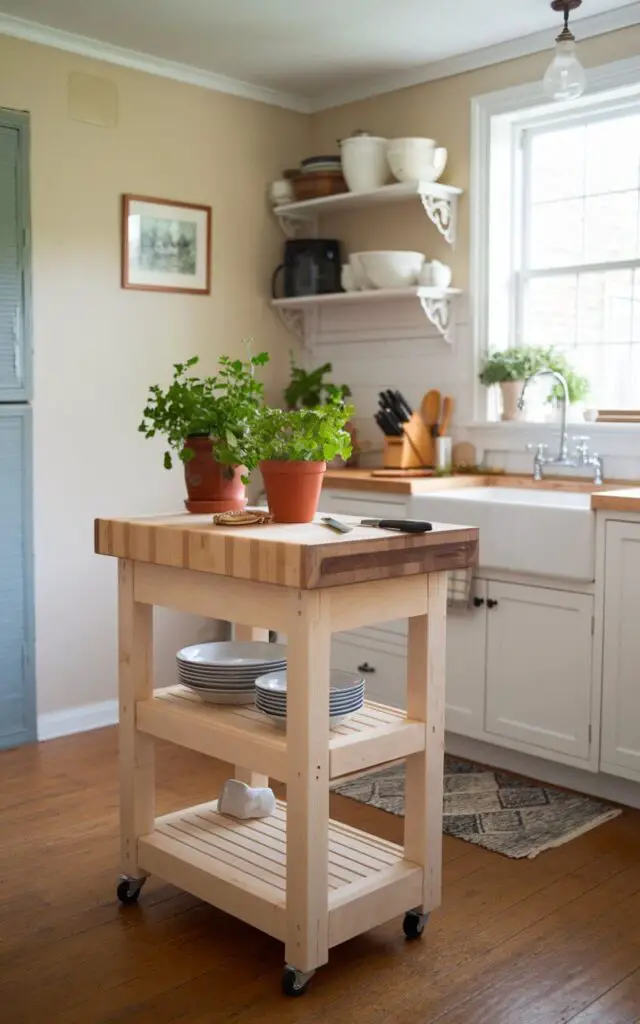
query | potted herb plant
(308,389)
(294,446)
(510,367)
(205,421)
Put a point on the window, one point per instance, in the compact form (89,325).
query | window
(560,233)
(578,281)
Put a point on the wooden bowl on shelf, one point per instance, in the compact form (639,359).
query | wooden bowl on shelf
(318,184)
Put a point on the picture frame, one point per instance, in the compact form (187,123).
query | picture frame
(166,245)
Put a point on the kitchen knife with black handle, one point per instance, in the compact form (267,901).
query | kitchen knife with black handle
(388,426)
(401,403)
(400,525)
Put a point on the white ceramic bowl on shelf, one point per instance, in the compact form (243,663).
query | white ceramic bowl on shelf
(391,268)
(360,279)
(416,159)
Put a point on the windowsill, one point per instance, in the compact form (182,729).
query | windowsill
(572,425)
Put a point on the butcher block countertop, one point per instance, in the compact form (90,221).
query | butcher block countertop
(626,499)
(304,556)
(623,499)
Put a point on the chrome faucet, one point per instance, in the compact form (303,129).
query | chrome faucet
(582,456)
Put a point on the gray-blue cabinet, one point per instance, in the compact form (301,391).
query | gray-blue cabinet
(15,348)
(17,685)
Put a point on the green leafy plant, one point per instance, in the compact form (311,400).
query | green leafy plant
(220,407)
(306,390)
(311,435)
(512,364)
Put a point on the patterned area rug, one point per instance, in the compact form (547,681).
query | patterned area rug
(500,811)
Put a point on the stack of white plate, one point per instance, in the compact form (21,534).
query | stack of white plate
(225,672)
(346,695)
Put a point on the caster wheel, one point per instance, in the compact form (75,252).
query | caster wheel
(294,982)
(128,890)
(413,924)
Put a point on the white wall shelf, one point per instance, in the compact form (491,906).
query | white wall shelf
(435,304)
(439,203)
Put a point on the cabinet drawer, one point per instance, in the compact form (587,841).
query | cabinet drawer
(372,506)
(385,673)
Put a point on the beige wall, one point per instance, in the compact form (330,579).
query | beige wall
(441,110)
(97,348)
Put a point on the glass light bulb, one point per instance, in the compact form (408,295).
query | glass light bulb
(565,78)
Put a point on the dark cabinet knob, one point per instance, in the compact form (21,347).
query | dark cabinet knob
(491,603)
(366,667)
(478,602)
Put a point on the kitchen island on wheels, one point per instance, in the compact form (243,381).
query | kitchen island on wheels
(299,876)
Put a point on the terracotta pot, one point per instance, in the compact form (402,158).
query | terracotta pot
(510,394)
(293,489)
(210,486)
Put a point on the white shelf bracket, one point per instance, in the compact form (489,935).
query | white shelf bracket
(442,213)
(437,312)
(295,227)
(293,320)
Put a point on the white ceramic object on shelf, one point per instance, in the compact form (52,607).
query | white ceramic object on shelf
(391,268)
(441,274)
(416,159)
(281,192)
(348,278)
(364,162)
(360,279)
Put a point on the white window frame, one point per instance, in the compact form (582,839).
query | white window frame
(498,123)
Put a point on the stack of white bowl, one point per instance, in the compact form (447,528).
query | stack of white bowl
(226,672)
(346,696)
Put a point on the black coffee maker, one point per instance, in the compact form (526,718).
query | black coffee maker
(311,266)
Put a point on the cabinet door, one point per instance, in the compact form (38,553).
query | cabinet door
(466,667)
(17,712)
(384,672)
(539,661)
(620,749)
(13,276)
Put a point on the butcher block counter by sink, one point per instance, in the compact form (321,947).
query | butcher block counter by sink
(624,499)
(299,876)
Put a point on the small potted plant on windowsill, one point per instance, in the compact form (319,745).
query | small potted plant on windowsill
(294,446)
(205,421)
(510,368)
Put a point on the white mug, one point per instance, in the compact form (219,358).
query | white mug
(281,192)
(426,275)
(347,278)
(441,274)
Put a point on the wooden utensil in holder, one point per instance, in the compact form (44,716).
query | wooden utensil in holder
(412,451)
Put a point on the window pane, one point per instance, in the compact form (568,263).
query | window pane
(549,315)
(556,233)
(605,307)
(607,368)
(619,136)
(636,308)
(611,227)
(557,164)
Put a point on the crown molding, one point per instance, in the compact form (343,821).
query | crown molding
(585,28)
(34,32)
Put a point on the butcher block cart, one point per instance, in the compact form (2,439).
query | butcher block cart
(299,876)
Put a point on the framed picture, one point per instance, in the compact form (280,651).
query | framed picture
(166,246)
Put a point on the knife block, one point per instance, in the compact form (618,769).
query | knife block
(412,451)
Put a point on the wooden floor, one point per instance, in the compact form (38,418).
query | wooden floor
(552,940)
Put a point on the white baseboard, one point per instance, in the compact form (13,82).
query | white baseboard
(606,787)
(80,719)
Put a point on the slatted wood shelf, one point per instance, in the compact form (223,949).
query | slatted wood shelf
(242,735)
(240,867)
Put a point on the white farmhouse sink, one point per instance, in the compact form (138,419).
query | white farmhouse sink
(523,530)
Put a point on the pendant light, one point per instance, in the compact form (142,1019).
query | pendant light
(565,78)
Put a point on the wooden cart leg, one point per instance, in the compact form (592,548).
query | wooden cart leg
(137,776)
(254,779)
(426,703)
(309,653)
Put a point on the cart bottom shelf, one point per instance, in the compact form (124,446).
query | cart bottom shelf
(240,867)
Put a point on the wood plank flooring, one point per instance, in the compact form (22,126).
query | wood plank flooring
(555,940)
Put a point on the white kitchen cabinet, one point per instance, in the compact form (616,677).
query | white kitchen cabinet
(466,666)
(366,504)
(620,747)
(539,669)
